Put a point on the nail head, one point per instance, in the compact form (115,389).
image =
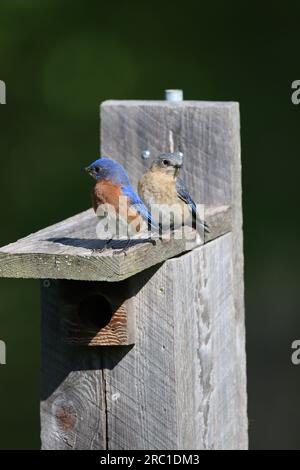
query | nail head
(173,95)
(146,154)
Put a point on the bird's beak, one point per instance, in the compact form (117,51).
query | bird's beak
(86,169)
(177,168)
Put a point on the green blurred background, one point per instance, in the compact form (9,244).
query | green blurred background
(59,61)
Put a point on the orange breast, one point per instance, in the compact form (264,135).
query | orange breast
(105,192)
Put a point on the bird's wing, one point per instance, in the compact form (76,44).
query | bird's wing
(139,206)
(185,196)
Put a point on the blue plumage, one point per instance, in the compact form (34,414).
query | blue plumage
(138,205)
(184,195)
(106,169)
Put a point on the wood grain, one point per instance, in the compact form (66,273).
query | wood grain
(68,250)
(183,384)
(208,133)
(177,388)
(73,412)
(97,313)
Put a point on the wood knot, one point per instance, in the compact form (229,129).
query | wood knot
(66,417)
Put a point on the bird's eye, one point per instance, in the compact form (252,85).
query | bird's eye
(97,169)
(166,162)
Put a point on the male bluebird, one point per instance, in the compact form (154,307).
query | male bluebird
(114,194)
(161,186)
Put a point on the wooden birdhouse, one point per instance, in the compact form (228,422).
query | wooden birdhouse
(146,349)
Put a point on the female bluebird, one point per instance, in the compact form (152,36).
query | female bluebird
(114,195)
(161,186)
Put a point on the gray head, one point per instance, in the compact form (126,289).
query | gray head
(169,163)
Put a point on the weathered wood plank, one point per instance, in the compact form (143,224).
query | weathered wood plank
(67,250)
(182,385)
(177,388)
(208,133)
(207,350)
(73,414)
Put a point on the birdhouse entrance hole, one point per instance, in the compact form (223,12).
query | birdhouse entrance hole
(95,311)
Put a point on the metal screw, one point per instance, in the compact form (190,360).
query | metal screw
(173,95)
(146,154)
(46,283)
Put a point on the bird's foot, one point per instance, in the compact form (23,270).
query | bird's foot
(101,250)
(97,251)
(123,250)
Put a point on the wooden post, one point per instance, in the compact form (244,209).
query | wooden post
(172,372)
(209,371)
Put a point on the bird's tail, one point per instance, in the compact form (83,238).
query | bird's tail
(201,225)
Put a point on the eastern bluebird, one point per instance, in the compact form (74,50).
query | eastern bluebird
(114,195)
(161,186)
